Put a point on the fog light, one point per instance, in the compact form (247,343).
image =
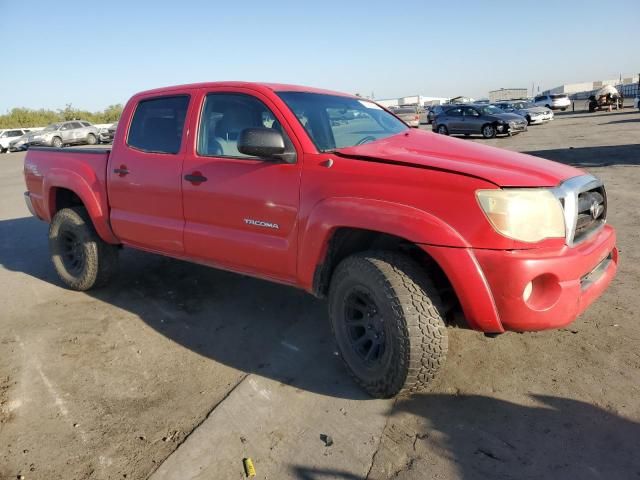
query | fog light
(542,292)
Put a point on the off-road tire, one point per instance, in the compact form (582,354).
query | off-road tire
(81,258)
(410,308)
(57,142)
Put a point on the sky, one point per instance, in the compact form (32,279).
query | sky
(93,54)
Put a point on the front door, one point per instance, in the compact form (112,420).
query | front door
(472,120)
(240,211)
(145,176)
(455,120)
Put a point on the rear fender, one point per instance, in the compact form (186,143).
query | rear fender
(90,190)
(403,221)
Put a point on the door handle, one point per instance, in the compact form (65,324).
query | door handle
(122,171)
(195,177)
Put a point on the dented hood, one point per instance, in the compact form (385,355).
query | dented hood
(429,150)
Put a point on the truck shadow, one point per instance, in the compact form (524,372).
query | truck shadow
(593,156)
(488,438)
(251,325)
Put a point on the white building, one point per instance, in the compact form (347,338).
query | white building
(584,88)
(421,100)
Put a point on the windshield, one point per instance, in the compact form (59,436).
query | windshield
(53,126)
(490,110)
(335,122)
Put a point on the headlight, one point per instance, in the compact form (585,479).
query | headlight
(528,215)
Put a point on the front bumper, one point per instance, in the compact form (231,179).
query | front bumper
(40,142)
(565,281)
(516,128)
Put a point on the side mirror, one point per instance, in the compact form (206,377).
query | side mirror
(262,142)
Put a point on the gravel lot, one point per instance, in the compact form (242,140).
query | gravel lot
(109,384)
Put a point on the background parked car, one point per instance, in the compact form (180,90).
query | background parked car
(410,115)
(434,112)
(106,133)
(75,132)
(554,102)
(532,113)
(20,143)
(486,120)
(7,136)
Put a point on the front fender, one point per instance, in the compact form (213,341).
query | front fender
(403,221)
(91,192)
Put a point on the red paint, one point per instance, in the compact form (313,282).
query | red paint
(421,187)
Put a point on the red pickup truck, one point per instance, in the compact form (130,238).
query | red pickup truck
(403,230)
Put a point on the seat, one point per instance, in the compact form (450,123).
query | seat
(227,131)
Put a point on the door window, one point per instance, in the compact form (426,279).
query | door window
(225,116)
(471,112)
(158,123)
(454,112)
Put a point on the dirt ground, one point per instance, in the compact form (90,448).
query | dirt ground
(108,384)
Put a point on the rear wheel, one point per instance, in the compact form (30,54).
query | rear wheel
(488,131)
(387,320)
(56,142)
(442,130)
(81,258)
(91,139)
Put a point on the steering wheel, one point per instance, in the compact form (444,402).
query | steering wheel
(368,138)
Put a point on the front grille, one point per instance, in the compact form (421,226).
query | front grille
(592,212)
(584,201)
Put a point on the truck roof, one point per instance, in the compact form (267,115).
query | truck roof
(275,87)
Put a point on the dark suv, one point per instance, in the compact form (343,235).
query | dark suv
(486,120)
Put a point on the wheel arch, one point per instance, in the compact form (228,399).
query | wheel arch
(340,227)
(66,189)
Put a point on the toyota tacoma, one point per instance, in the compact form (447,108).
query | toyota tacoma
(404,231)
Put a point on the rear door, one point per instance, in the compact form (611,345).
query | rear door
(145,176)
(77,130)
(240,211)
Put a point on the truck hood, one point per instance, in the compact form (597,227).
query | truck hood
(504,168)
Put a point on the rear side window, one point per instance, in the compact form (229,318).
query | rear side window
(158,123)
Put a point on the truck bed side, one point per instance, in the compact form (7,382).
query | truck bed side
(60,178)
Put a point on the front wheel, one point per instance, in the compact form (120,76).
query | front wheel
(386,316)
(56,142)
(442,130)
(488,131)
(81,258)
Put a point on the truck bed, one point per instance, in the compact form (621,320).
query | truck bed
(51,172)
